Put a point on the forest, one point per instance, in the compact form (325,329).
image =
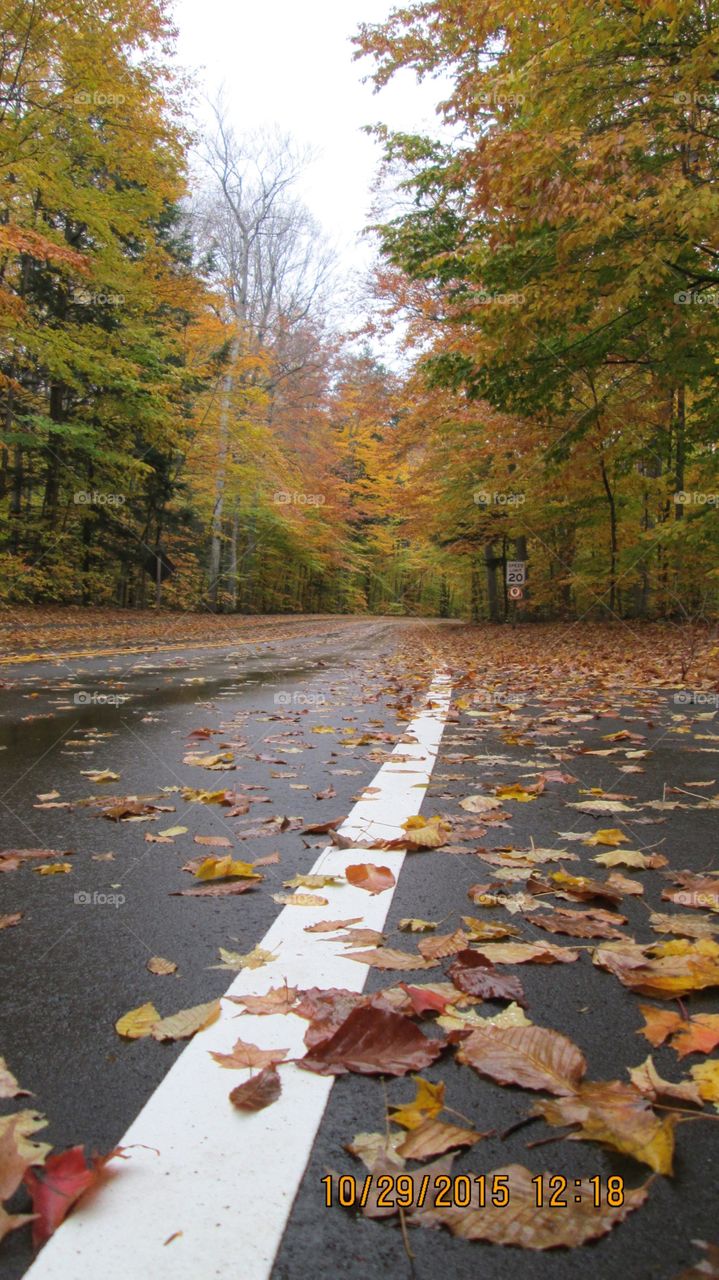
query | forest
(190,422)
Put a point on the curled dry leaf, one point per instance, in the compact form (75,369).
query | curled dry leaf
(617,1115)
(647,1080)
(7,922)
(160,966)
(259,1092)
(365,875)
(388,958)
(527,1226)
(299,900)
(217,890)
(331,926)
(532,1057)
(249,1055)
(631,858)
(223,868)
(372,1042)
(484,931)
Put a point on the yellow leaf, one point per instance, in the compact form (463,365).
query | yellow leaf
(157,964)
(428,1102)
(173,831)
(608,835)
(138,1022)
(186,1023)
(416,926)
(706,1075)
(53,868)
(223,868)
(515,792)
(235,960)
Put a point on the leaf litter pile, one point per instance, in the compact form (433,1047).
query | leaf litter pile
(606,889)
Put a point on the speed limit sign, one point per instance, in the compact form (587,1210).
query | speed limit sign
(516,593)
(516,573)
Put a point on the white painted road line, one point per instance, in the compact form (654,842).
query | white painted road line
(224,1180)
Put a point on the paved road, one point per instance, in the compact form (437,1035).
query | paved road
(72,967)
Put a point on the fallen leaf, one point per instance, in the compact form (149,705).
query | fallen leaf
(472,973)
(412,925)
(56,1187)
(706,1075)
(259,1092)
(480,804)
(524,1224)
(138,1022)
(532,1057)
(608,835)
(158,965)
(223,868)
(426,1104)
(372,1042)
(434,1137)
(249,1055)
(526,953)
(236,960)
(276,1000)
(53,868)
(217,890)
(647,1080)
(388,958)
(7,922)
(331,926)
(617,1115)
(443,944)
(365,875)
(186,1023)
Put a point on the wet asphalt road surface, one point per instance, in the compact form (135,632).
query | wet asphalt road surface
(72,966)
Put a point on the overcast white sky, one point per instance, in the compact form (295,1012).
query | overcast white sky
(289,63)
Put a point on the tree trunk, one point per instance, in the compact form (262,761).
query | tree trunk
(228,383)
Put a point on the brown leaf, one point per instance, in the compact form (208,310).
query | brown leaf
(259,1092)
(618,1115)
(276,1000)
(373,1042)
(331,926)
(443,944)
(647,1080)
(526,1225)
(249,1055)
(6,922)
(216,890)
(388,958)
(526,953)
(434,1137)
(532,1057)
(472,973)
(579,924)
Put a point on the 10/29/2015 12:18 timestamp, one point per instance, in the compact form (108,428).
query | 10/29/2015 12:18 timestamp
(463,1191)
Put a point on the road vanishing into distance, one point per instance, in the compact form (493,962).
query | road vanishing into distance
(352,726)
